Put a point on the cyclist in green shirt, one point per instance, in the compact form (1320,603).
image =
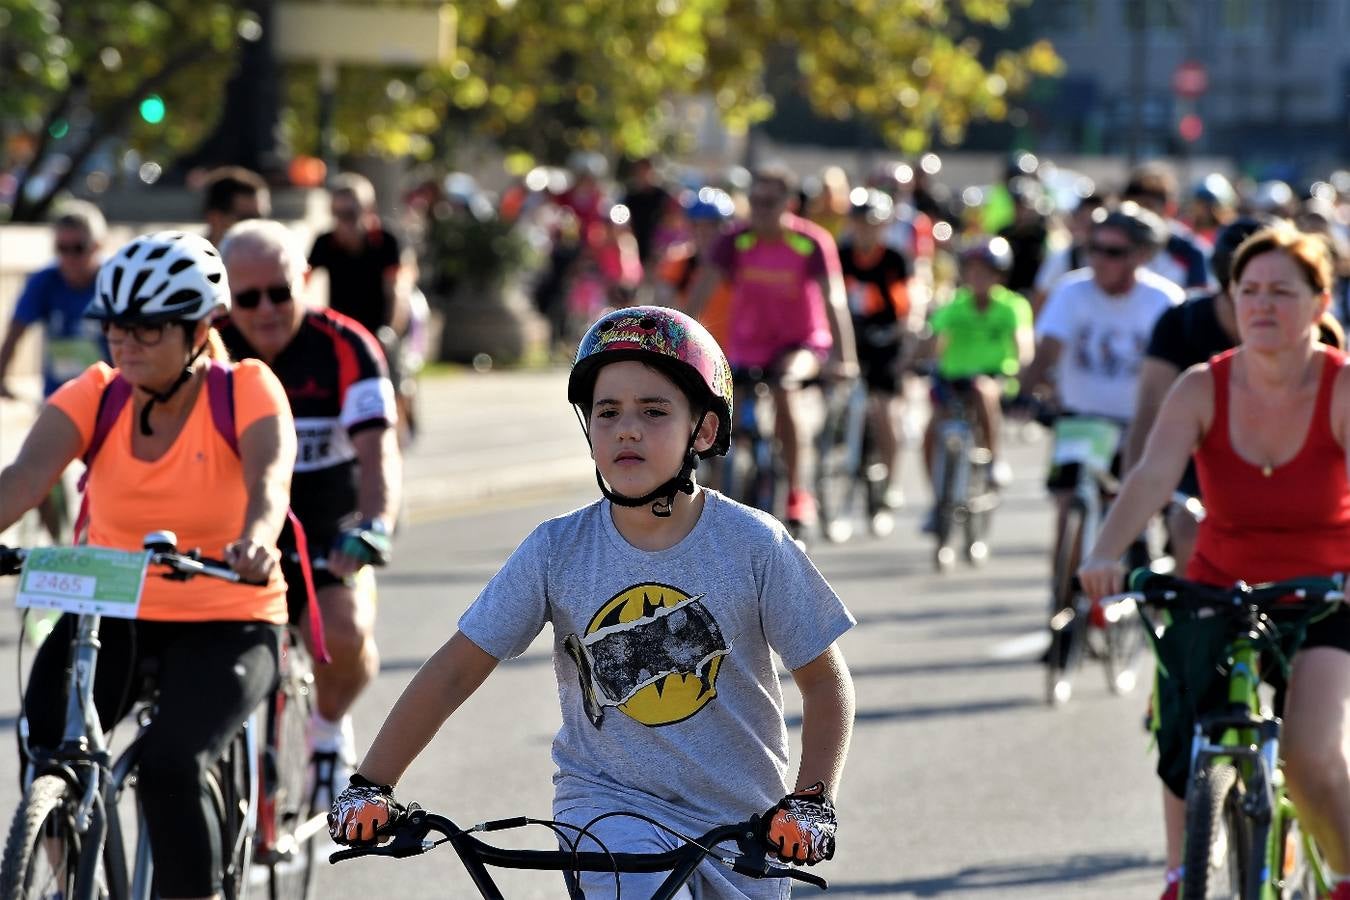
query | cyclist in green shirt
(980,337)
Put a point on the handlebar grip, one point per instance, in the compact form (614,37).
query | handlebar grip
(504,824)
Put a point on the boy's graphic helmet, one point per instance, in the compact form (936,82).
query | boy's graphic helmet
(166,276)
(669,340)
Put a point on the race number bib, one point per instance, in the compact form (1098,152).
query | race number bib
(94,580)
(1086,440)
(68,357)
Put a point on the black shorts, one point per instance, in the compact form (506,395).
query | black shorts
(879,367)
(319,541)
(1193,682)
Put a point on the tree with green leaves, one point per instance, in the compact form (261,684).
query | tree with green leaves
(146,73)
(534,78)
(546,76)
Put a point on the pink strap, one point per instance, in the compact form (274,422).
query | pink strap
(110,406)
(312,596)
(220,395)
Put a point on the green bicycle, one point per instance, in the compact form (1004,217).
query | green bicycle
(1242,831)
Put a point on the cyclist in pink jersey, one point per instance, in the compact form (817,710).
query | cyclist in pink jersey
(789,313)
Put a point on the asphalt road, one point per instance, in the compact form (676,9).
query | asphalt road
(960,783)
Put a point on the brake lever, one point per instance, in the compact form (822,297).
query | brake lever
(802,875)
(409,839)
(769,870)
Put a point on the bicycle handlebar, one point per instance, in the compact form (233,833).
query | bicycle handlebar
(163,552)
(410,833)
(1171,591)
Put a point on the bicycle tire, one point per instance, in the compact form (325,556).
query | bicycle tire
(291,875)
(45,815)
(1124,649)
(944,555)
(227,785)
(1217,849)
(977,513)
(1068,625)
(841,492)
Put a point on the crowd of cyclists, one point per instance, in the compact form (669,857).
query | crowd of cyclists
(1207,322)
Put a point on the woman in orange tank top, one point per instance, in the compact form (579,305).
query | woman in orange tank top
(1269,424)
(164,465)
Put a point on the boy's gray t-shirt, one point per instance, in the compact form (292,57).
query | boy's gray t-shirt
(670,700)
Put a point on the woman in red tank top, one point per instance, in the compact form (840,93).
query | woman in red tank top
(1269,424)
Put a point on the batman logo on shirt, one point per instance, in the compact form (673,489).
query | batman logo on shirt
(652,651)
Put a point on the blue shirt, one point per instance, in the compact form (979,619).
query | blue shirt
(72,343)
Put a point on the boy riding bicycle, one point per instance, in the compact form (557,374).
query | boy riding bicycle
(979,338)
(666,601)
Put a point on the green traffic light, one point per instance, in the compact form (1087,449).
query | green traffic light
(152,109)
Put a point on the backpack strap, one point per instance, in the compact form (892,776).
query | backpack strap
(220,395)
(110,406)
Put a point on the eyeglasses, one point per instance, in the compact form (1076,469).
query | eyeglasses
(1110,251)
(145,335)
(79,249)
(249,299)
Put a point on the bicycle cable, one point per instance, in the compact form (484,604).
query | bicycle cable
(586,831)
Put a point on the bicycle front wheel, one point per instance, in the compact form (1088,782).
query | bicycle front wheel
(944,554)
(1218,837)
(1124,649)
(44,853)
(1068,619)
(290,859)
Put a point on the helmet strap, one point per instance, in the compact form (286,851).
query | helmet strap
(157,397)
(662,497)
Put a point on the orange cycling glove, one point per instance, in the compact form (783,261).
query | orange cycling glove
(801,827)
(362,811)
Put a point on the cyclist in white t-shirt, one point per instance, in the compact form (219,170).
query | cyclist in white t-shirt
(1095,326)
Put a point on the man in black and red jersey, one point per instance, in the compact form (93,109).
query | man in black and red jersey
(348,467)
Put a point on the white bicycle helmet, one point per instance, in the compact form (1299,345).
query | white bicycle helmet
(166,276)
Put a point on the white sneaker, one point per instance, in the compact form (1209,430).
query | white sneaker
(1000,473)
(334,756)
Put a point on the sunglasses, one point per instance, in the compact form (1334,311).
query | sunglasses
(346,214)
(79,249)
(249,299)
(1110,251)
(145,335)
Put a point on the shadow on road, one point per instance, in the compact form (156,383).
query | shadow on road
(1060,873)
(940,614)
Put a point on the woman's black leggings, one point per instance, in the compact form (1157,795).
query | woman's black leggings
(211,676)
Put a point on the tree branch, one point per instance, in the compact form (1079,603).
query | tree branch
(113,118)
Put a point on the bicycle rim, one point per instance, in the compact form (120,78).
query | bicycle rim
(290,865)
(977,514)
(1067,624)
(227,784)
(944,554)
(840,492)
(1124,650)
(1217,849)
(43,854)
